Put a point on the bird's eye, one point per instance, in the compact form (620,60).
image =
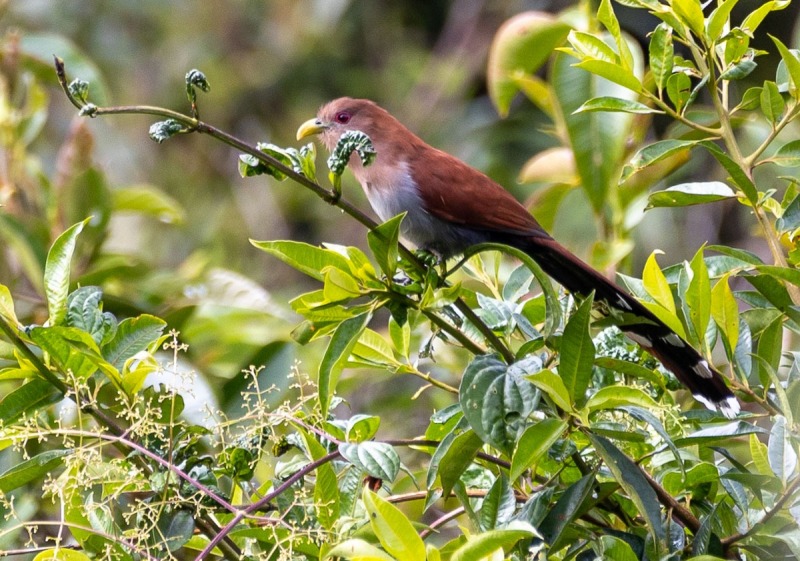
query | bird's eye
(342,117)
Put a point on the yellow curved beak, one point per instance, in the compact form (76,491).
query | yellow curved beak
(310,127)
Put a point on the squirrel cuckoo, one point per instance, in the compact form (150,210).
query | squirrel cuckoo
(450,206)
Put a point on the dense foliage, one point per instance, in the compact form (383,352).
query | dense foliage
(553,437)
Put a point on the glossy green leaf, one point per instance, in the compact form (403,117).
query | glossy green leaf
(616,104)
(61,554)
(481,545)
(737,174)
(361,427)
(307,259)
(630,478)
(33,468)
(725,310)
(698,296)
(84,311)
(791,63)
(606,16)
(679,90)
(718,18)
(499,505)
(772,104)
(394,531)
(687,194)
(378,459)
(336,355)
(662,54)
(613,73)
(27,399)
(56,272)
(655,283)
(718,433)
(566,509)
(691,13)
(358,550)
(754,19)
(7,306)
(496,399)
(616,549)
(617,397)
(589,46)
(552,385)
(534,443)
(326,489)
(382,241)
(655,153)
(73,350)
(132,336)
(787,155)
(453,456)
(577,352)
(781,451)
(339,285)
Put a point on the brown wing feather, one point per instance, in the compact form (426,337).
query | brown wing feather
(474,200)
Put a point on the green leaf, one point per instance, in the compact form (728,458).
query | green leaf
(654,153)
(499,505)
(577,352)
(687,194)
(615,104)
(606,16)
(361,427)
(772,104)
(351,141)
(566,509)
(616,549)
(73,350)
(534,443)
(718,18)
(56,272)
(787,156)
(552,385)
(175,528)
(132,336)
(27,399)
(378,459)
(7,306)
(339,285)
(618,397)
(453,456)
(589,46)
(725,310)
(613,73)
(33,468)
(760,456)
(393,529)
(630,478)
(149,201)
(662,54)
(84,311)
(61,554)
(336,355)
(690,13)
(496,399)
(484,544)
(698,296)
(780,451)
(737,174)
(326,488)
(358,550)
(382,241)
(520,47)
(679,90)
(598,139)
(655,283)
(792,63)
(754,19)
(307,259)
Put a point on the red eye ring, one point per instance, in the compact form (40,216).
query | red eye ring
(342,117)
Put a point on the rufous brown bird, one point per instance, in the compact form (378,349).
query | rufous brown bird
(450,206)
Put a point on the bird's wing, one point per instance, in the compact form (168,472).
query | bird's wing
(472,199)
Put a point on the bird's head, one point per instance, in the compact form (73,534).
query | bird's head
(346,114)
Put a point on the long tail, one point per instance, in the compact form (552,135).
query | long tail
(706,384)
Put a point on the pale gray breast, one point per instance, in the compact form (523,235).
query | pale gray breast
(393,192)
